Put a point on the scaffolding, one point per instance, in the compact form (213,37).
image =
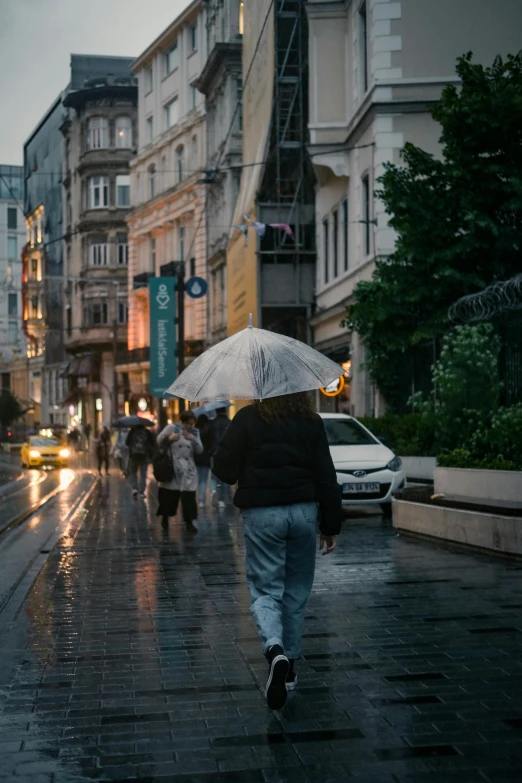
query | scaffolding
(287,192)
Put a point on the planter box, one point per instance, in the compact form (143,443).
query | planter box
(471,528)
(419,468)
(500,485)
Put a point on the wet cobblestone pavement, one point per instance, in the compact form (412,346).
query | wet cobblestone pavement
(135,656)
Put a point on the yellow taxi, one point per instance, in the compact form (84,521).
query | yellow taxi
(40,451)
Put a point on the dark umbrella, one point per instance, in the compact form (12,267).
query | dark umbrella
(126,422)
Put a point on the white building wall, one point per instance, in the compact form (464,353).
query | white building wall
(12,340)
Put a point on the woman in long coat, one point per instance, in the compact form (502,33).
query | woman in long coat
(184,442)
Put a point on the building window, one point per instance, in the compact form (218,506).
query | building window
(153,253)
(68,312)
(68,208)
(150,129)
(95,314)
(335,243)
(181,243)
(12,248)
(326,249)
(152,181)
(12,218)
(12,333)
(241,18)
(123,312)
(99,254)
(239,100)
(122,249)
(12,304)
(366,213)
(193,37)
(170,114)
(33,306)
(98,192)
(97,133)
(194,156)
(171,59)
(9,277)
(123,190)
(149,79)
(193,96)
(363,45)
(34,268)
(344,207)
(123,132)
(180,163)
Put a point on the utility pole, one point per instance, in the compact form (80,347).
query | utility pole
(115,412)
(177,269)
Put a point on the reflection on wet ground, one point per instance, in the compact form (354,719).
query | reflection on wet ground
(135,656)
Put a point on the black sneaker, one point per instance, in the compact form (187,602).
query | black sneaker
(275,691)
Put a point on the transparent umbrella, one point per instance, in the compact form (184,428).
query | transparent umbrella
(252,365)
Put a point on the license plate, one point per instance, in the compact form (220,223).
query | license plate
(50,456)
(361,488)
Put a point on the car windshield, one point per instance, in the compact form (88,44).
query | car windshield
(44,442)
(346,432)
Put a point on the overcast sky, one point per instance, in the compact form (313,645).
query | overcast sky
(37,38)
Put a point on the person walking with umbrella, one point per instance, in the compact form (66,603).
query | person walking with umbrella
(277,452)
(103,446)
(184,443)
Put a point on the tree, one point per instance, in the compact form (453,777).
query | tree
(458,221)
(9,408)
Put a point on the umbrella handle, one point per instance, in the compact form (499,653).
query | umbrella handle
(250,320)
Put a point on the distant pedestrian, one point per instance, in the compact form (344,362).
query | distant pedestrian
(103,447)
(87,430)
(218,428)
(184,443)
(121,451)
(278,453)
(140,442)
(203,460)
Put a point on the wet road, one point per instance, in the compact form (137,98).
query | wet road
(134,656)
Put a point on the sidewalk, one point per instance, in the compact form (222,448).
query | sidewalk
(135,656)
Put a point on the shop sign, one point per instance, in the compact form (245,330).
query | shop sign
(162,334)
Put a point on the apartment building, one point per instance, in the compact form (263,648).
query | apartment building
(167,220)
(376,66)
(100,137)
(221,84)
(12,240)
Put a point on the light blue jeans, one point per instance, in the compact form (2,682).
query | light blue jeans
(138,466)
(203,471)
(280,565)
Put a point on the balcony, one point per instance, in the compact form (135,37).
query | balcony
(107,158)
(105,218)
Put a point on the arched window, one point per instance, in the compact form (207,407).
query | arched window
(194,155)
(123,132)
(180,162)
(152,181)
(97,133)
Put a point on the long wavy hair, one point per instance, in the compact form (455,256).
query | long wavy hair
(286,406)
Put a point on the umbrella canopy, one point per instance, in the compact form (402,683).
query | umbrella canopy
(210,407)
(126,422)
(252,365)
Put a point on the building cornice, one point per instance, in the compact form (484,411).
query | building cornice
(218,57)
(118,89)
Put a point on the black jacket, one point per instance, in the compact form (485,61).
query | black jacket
(218,428)
(277,463)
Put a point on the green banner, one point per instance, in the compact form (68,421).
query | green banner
(162,334)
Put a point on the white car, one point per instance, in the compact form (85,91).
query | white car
(367,470)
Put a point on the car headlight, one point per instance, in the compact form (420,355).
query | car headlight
(64,453)
(34,453)
(395,464)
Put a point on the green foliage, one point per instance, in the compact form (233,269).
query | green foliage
(503,436)
(413,434)
(9,408)
(458,220)
(466,384)
(462,458)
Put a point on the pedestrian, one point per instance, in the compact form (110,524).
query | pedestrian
(87,432)
(103,446)
(140,442)
(203,459)
(121,451)
(278,453)
(218,428)
(184,443)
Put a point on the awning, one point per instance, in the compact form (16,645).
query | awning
(84,365)
(71,399)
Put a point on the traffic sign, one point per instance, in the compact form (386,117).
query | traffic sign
(196,287)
